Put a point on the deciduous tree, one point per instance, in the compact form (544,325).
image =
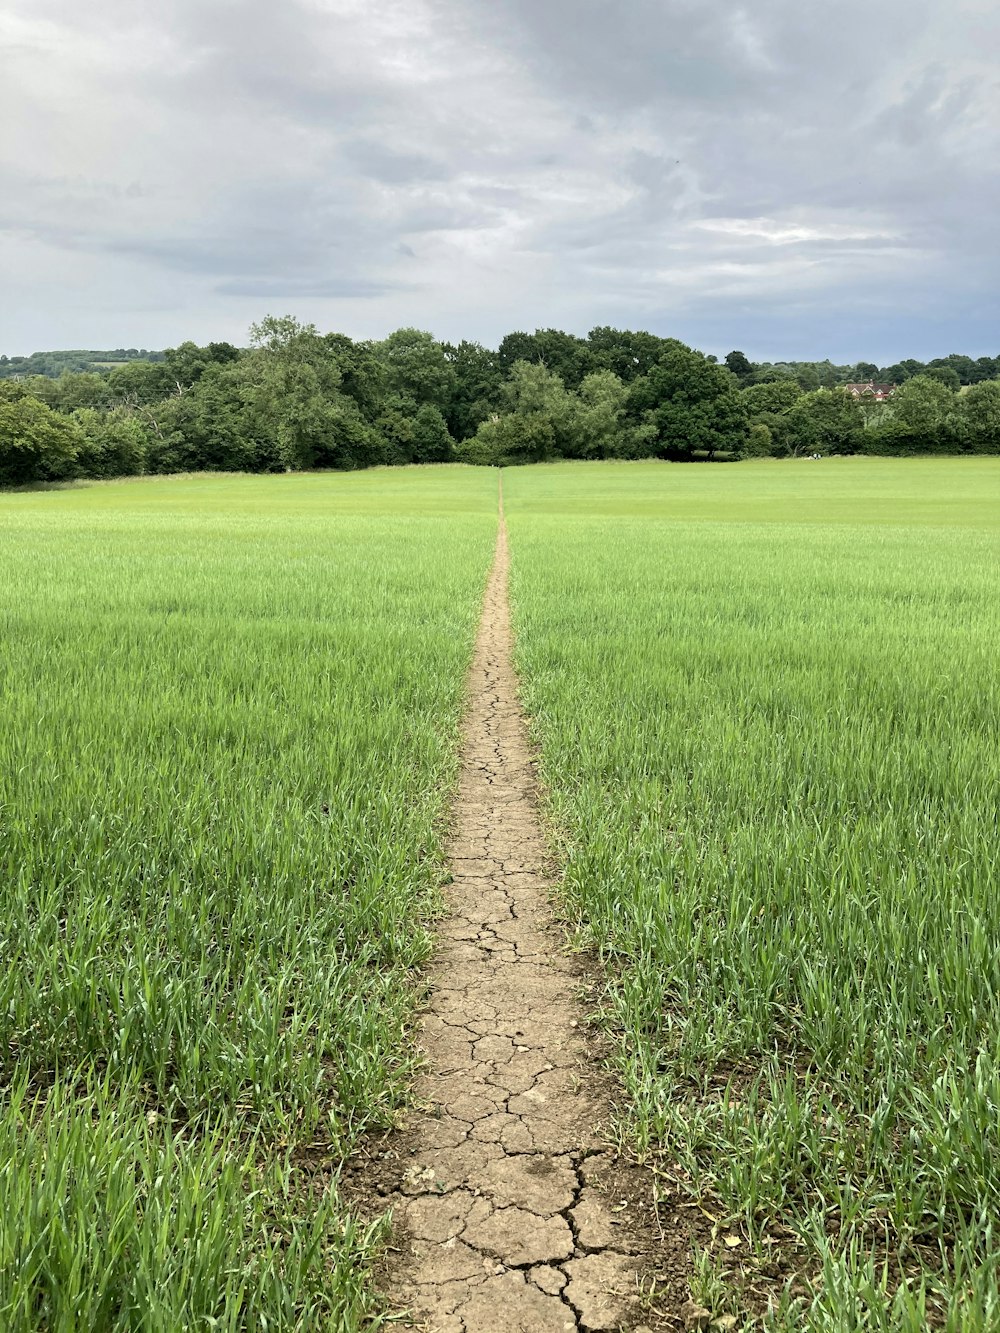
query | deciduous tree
(36,444)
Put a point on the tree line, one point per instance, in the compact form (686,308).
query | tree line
(953,370)
(297,399)
(55,363)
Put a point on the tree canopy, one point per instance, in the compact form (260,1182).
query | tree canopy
(297,398)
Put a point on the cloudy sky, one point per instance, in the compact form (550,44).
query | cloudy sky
(794,179)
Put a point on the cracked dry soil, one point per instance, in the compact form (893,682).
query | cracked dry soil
(501,1215)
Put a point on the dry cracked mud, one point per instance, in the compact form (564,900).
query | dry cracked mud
(502,1217)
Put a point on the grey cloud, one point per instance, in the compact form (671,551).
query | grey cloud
(383,163)
(345,288)
(723,172)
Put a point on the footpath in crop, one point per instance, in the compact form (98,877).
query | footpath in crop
(509,1208)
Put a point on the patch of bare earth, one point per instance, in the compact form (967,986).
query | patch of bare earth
(510,1212)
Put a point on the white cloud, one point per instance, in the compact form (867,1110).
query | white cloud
(775,232)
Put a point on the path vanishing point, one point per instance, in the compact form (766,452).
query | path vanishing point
(503,1220)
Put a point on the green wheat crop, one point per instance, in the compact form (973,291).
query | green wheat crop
(228,715)
(768,701)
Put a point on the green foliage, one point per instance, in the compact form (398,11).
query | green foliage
(979,414)
(480,451)
(186,364)
(288,392)
(921,419)
(432,442)
(922,403)
(565,355)
(901,371)
(141,383)
(36,444)
(768,405)
(953,369)
(625,353)
(760,441)
(417,368)
(809,375)
(362,374)
(946,375)
(925,416)
(112,444)
(402,435)
(75,389)
(56,364)
(535,422)
(531,387)
(542,419)
(395,429)
(477,386)
(298,399)
(13,391)
(692,403)
(521,437)
(596,426)
(771,398)
(826,421)
(740,365)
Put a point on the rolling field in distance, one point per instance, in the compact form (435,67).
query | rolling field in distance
(228,723)
(767,699)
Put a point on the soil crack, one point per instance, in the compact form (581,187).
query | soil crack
(500,1218)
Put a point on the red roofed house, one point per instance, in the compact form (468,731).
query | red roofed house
(877,392)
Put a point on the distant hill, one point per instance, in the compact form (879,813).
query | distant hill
(54,363)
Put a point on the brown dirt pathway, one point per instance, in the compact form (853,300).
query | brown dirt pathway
(501,1214)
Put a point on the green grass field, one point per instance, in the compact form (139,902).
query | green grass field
(768,701)
(228,712)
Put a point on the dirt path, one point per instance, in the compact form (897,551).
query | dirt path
(501,1212)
